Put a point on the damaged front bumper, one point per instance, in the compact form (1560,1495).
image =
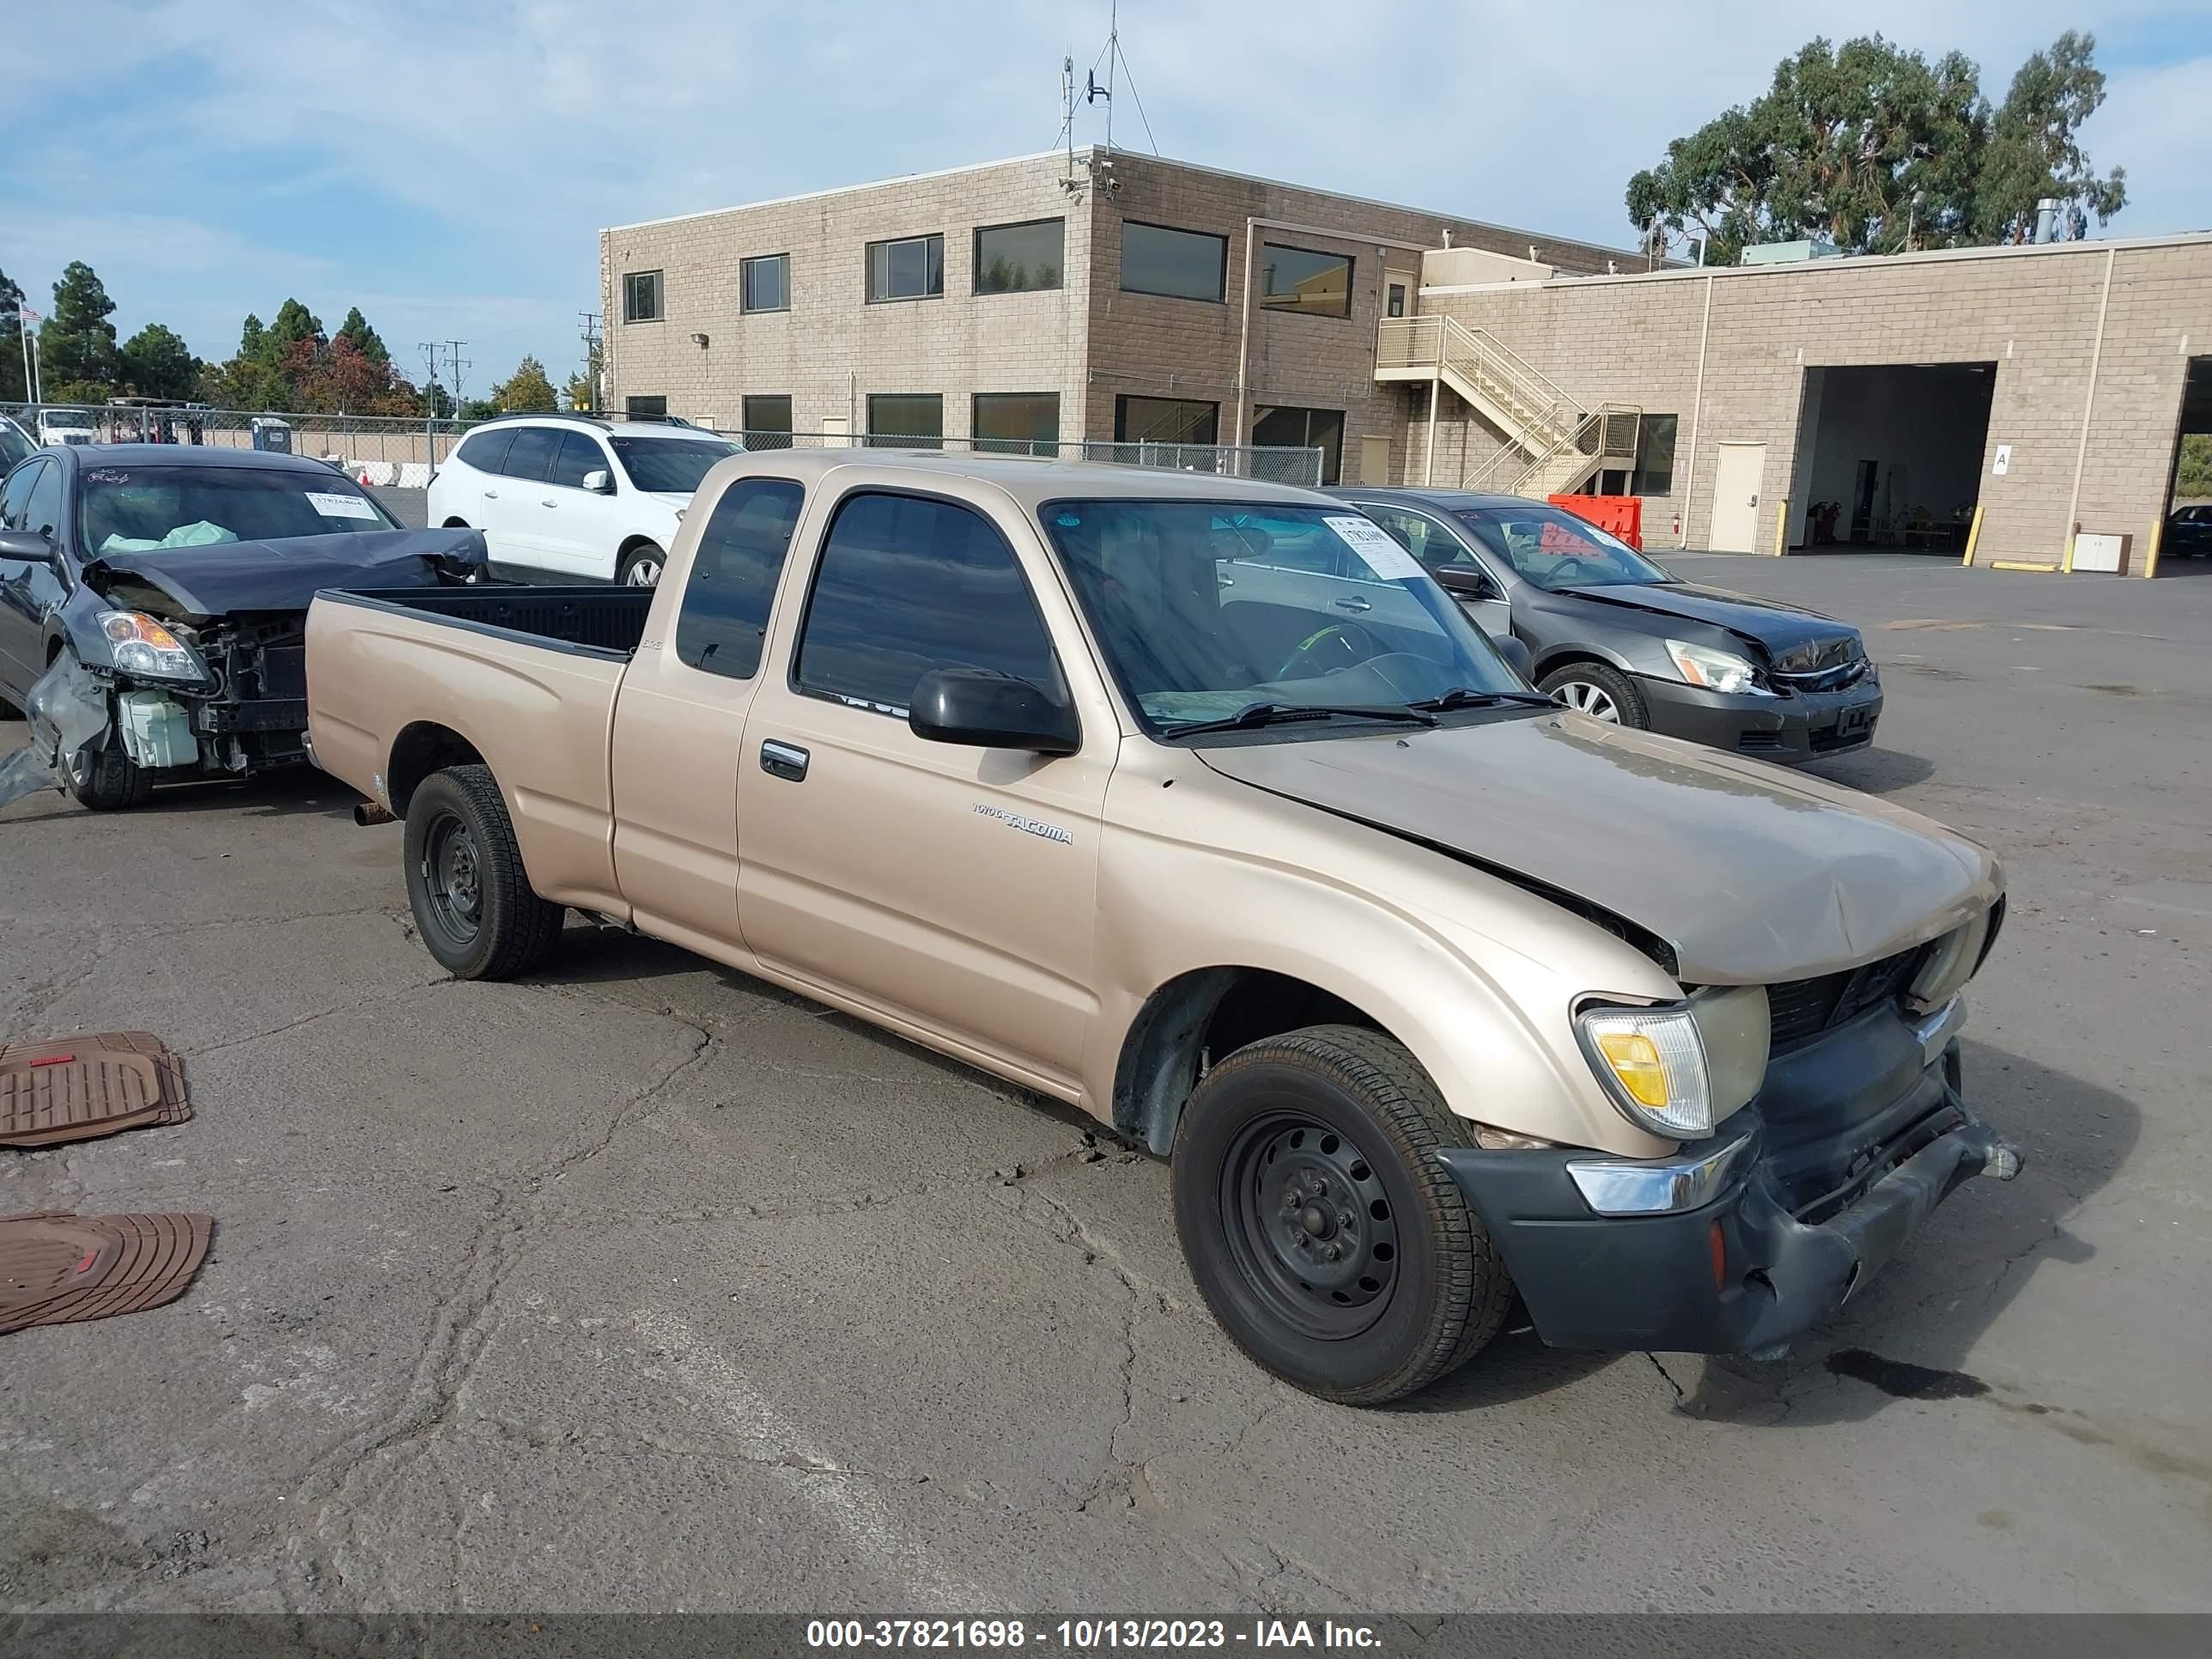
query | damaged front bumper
(1738,1243)
(71,718)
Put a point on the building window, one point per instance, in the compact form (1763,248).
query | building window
(724,616)
(1019,258)
(654,407)
(912,268)
(905,585)
(1655,455)
(1301,279)
(766,422)
(764,284)
(905,420)
(1182,264)
(1166,420)
(1304,428)
(642,297)
(1397,303)
(1018,422)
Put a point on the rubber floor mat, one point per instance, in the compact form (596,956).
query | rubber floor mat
(56,1269)
(77,1088)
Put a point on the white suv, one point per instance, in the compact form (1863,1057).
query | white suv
(574,495)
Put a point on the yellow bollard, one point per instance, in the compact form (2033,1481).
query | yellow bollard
(2150,559)
(1781,529)
(1973,535)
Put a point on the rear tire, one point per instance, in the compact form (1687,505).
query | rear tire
(109,781)
(473,903)
(641,566)
(1330,1243)
(1603,693)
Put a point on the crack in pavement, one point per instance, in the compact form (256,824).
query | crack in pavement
(202,1050)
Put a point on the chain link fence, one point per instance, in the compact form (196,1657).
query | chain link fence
(397,451)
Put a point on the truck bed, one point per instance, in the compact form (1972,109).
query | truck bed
(596,618)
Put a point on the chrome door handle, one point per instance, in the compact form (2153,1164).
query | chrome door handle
(786,761)
(546,503)
(491,494)
(1354,603)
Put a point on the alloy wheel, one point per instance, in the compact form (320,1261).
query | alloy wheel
(1592,699)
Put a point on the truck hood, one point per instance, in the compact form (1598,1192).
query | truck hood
(1751,874)
(221,577)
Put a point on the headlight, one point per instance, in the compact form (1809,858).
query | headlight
(1652,1062)
(1716,670)
(141,645)
(1951,962)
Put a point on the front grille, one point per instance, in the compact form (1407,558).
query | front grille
(1835,737)
(1761,743)
(1838,678)
(1800,1010)
(1817,656)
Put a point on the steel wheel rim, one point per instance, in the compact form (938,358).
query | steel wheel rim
(1594,701)
(453,877)
(1309,1226)
(644,573)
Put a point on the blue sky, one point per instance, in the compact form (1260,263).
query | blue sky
(447,166)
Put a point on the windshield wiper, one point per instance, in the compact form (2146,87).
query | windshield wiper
(1462,696)
(1254,715)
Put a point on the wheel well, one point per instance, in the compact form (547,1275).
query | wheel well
(1197,1018)
(454,524)
(1570,656)
(420,750)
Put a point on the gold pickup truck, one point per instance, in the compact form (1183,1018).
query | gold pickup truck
(1197,804)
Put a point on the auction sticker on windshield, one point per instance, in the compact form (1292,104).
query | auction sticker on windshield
(1375,546)
(341,507)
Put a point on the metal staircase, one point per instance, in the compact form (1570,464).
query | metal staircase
(1554,445)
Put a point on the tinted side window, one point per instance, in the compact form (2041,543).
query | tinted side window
(18,492)
(486,451)
(905,585)
(724,616)
(1425,539)
(580,453)
(532,454)
(44,510)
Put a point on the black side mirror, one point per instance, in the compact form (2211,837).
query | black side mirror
(986,710)
(1467,581)
(32,545)
(1516,653)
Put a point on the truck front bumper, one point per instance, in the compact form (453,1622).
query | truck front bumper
(1740,1268)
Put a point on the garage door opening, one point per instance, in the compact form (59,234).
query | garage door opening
(1889,458)
(2185,543)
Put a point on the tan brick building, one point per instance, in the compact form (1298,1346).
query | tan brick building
(1998,398)
(1139,332)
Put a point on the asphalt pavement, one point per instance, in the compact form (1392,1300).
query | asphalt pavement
(643,1284)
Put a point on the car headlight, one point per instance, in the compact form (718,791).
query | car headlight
(1715,671)
(142,646)
(1652,1062)
(1950,964)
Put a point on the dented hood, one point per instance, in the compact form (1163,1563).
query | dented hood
(221,577)
(1752,874)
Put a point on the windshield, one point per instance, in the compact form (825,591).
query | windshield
(670,466)
(1206,610)
(134,510)
(1555,549)
(69,417)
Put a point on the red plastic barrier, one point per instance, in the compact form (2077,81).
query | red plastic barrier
(1617,515)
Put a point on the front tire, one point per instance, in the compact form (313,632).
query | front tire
(641,566)
(109,781)
(1603,693)
(473,903)
(1331,1244)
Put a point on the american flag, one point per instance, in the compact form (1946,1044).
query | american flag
(29,315)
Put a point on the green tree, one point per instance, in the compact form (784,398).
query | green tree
(356,333)
(252,340)
(2194,477)
(1878,149)
(76,344)
(581,390)
(2033,152)
(12,388)
(157,364)
(527,388)
(294,324)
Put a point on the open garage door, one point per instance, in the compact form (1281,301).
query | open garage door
(2185,543)
(1889,457)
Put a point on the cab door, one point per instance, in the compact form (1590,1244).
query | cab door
(945,888)
(679,726)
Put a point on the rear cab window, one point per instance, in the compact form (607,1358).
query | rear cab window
(908,584)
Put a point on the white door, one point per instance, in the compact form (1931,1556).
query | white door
(514,517)
(1736,484)
(580,528)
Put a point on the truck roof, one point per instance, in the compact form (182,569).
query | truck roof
(1031,483)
